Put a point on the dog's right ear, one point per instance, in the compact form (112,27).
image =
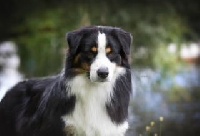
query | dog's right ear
(73,39)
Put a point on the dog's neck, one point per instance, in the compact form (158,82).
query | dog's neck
(90,116)
(83,88)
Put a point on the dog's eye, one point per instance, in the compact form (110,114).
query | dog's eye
(94,49)
(108,50)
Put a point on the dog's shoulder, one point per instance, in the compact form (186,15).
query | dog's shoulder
(32,103)
(27,88)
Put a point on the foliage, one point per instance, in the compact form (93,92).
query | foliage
(41,28)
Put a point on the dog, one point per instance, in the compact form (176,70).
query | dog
(89,98)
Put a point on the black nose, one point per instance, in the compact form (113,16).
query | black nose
(102,72)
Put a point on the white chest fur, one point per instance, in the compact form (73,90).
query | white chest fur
(89,116)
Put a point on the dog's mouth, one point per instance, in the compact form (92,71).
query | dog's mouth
(98,80)
(102,80)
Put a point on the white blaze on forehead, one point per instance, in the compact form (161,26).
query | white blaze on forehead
(101,43)
(102,61)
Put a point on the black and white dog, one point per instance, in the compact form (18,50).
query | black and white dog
(90,98)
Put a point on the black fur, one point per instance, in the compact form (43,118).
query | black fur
(34,107)
(118,108)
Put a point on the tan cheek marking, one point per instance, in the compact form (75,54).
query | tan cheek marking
(94,49)
(108,50)
(83,69)
(77,58)
(85,66)
(78,71)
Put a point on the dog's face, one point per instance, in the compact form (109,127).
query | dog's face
(98,52)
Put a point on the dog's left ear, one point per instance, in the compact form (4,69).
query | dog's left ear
(125,40)
(73,39)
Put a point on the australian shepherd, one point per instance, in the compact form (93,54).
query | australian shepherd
(89,98)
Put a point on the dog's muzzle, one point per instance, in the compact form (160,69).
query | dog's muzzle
(102,73)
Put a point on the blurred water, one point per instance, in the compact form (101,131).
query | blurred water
(148,103)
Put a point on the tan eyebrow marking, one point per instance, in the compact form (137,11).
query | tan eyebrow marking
(108,50)
(94,49)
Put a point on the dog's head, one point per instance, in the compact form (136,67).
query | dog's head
(99,52)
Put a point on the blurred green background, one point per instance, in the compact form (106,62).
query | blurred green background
(164,32)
